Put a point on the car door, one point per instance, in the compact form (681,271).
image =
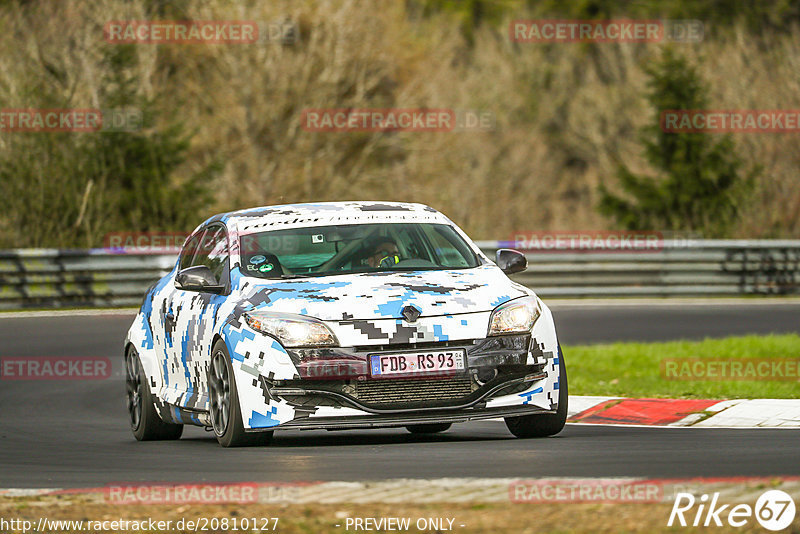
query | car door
(194,313)
(167,314)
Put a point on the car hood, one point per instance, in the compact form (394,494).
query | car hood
(371,296)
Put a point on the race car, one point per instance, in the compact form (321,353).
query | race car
(340,315)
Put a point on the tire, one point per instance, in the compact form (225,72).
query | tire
(428,428)
(226,415)
(543,425)
(145,422)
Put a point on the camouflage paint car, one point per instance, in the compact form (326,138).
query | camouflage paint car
(340,315)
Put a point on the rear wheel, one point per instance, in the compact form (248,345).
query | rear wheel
(226,415)
(429,428)
(144,419)
(543,425)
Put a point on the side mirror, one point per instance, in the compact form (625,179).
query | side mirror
(198,278)
(511,261)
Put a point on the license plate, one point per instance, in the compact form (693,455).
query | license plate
(429,362)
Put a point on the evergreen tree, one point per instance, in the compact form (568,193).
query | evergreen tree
(699,185)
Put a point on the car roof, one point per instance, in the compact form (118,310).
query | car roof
(322,213)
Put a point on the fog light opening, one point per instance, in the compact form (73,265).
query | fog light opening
(484,375)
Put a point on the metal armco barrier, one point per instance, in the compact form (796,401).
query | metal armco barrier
(36,278)
(39,278)
(676,268)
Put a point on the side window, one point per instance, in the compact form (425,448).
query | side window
(189,248)
(213,251)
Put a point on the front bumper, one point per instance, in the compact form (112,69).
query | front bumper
(340,377)
(332,387)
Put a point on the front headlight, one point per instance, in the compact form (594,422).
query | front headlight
(515,316)
(292,330)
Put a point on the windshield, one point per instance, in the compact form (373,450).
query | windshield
(359,248)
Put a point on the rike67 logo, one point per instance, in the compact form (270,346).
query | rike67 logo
(774,510)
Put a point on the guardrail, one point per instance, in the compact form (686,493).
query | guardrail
(44,278)
(677,268)
(36,278)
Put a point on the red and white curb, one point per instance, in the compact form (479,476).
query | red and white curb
(702,413)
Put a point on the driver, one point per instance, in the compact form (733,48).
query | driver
(384,255)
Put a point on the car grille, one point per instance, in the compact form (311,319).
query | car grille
(404,391)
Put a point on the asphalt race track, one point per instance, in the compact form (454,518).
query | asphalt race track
(56,434)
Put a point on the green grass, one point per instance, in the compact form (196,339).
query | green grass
(635,369)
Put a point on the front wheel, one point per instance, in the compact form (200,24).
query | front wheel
(145,421)
(543,425)
(226,415)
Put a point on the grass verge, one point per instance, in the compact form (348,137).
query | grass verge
(668,370)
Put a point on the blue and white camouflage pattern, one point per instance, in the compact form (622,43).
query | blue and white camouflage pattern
(360,309)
